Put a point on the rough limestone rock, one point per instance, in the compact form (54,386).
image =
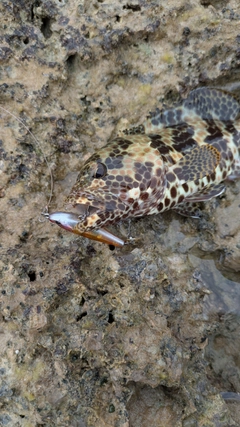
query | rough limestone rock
(91,337)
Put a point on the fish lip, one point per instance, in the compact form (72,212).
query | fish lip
(83,210)
(92,209)
(87,216)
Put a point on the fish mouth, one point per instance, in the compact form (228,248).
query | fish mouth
(69,220)
(89,217)
(82,221)
(83,210)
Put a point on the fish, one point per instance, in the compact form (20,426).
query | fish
(177,158)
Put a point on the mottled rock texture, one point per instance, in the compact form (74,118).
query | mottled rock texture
(92,337)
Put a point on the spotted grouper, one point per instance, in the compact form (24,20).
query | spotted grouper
(177,158)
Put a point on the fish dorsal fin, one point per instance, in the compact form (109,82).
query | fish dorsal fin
(196,164)
(203,103)
(163,119)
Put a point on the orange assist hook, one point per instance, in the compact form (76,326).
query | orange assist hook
(68,221)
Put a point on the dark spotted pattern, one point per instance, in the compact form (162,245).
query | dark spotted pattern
(205,103)
(123,144)
(183,138)
(214,131)
(176,158)
(114,162)
(213,104)
(197,163)
(137,130)
(158,143)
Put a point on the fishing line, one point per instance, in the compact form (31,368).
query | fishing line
(44,157)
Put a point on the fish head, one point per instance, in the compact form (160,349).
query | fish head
(123,179)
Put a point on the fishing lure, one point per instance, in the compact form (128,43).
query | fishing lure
(175,159)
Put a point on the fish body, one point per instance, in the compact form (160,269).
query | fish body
(175,159)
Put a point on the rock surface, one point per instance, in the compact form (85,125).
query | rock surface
(144,335)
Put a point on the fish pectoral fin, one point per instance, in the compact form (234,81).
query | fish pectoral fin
(207,193)
(188,209)
(196,164)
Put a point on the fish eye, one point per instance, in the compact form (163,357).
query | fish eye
(99,171)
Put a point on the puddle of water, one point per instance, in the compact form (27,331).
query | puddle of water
(222,309)
(221,260)
(225,294)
